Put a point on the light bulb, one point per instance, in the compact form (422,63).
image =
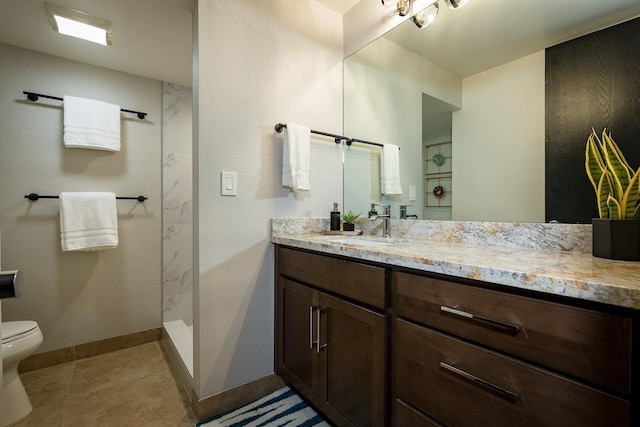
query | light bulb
(403,7)
(426,16)
(456,4)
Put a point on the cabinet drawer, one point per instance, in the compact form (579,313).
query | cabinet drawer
(409,417)
(583,343)
(434,373)
(356,281)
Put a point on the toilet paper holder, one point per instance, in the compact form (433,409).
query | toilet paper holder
(10,284)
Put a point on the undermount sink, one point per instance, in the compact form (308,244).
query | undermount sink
(360,241)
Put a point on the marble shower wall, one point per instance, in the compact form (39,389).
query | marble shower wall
(177,218)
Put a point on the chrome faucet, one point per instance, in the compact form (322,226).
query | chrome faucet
(403,211)
(386,223)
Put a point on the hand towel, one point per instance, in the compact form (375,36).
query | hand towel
(296,157)
(88,221)
(390,170)
(91,124)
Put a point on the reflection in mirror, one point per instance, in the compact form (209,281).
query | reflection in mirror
(470,88)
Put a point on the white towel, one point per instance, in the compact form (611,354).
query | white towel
(296,157)
(91,124)
(390,170)
(88,221)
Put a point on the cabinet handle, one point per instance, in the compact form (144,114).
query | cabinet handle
(508,327)
(311,341)
(511,395)
(318,346)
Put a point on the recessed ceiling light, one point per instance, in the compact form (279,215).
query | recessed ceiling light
(79,24)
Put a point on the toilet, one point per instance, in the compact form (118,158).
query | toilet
(20,339)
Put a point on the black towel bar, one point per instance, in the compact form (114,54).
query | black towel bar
(32,96)
(35,196)
(337,138)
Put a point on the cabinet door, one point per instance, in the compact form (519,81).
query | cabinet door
(297,360)
(353,370)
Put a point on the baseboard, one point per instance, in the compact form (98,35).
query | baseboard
(236,397)
(82,351)
(212,405)
(179,370)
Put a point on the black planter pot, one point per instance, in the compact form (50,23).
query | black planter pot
(616,239)
(348,227)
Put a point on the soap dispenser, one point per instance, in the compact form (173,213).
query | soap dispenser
(334,223)
(373,213)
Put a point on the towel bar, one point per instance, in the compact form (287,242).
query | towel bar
(32,96)
(338,138)
(35,196)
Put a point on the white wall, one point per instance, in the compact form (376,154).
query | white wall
(258,63)
(383,87)
(499,135)
(78,297)
(367,21)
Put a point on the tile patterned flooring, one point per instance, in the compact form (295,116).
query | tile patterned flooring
(130,387)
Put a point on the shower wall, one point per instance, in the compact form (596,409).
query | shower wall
(177,218)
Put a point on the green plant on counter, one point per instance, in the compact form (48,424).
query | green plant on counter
(616,184)
(350,216)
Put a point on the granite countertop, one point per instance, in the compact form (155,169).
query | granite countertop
(558,272)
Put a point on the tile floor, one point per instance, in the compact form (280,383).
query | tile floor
(130,387)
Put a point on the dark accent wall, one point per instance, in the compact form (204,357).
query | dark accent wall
(591,81)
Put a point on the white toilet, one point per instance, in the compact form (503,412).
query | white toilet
(19,340)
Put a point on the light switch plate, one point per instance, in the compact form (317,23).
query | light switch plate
(412,193)
(228,183)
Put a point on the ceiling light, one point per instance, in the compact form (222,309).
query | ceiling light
(79,24)
(456,4)
(426,16)
(402,6)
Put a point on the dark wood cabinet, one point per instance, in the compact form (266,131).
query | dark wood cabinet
(582,343)
(330,349)
(376,345)
(468,356)
(298,361)
(354,363)
(461,384)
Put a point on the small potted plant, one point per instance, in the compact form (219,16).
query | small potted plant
(349,218)
(616,234)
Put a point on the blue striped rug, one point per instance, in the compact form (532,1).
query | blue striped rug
(281,408)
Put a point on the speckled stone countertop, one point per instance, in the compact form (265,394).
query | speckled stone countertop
(559,267)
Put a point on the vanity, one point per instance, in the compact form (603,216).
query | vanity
(414,332)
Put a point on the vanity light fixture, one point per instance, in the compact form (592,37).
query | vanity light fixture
(402,6)
(79,24)
(456,4)
(426,16)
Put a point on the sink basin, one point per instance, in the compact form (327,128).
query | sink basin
(359,241)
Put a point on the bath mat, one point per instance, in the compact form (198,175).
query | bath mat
(281,408)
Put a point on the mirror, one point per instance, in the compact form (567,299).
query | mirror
(464,99)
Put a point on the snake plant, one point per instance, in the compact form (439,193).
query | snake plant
(616,184)
(350,217)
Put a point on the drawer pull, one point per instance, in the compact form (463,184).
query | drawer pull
(318,345)
(311,341)
(511,395)
(508,327)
